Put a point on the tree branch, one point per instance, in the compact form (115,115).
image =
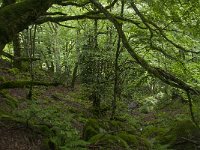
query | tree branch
(161,32)
(164,76)
(16,17)
(88,15)
(7,55)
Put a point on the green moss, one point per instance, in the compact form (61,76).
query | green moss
(98,132)
(95,126)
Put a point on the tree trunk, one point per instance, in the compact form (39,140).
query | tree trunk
(74,75)
(17,17)
(116,69)
(17,52)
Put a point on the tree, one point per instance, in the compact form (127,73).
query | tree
(17,17)
(157,34)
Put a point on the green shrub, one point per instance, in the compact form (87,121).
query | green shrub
(109,141)
(183,132)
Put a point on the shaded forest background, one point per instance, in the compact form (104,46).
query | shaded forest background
(117,75)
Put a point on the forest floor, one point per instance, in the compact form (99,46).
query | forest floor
(15,135)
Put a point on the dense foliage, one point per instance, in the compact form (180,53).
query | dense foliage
(107,74)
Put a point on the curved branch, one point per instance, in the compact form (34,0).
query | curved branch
(88,15)
(166,77)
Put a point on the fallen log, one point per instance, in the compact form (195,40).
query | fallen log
(23,84)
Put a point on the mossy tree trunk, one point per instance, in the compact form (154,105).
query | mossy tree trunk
(17,17)
(23,84)
(116,70)
(17,52)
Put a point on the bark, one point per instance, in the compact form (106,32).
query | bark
(17,17)
(74,75)
(17,52)
(116,68)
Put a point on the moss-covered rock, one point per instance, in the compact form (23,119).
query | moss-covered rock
(118,135)
(102,126)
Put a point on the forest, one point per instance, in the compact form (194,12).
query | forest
(99,75)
